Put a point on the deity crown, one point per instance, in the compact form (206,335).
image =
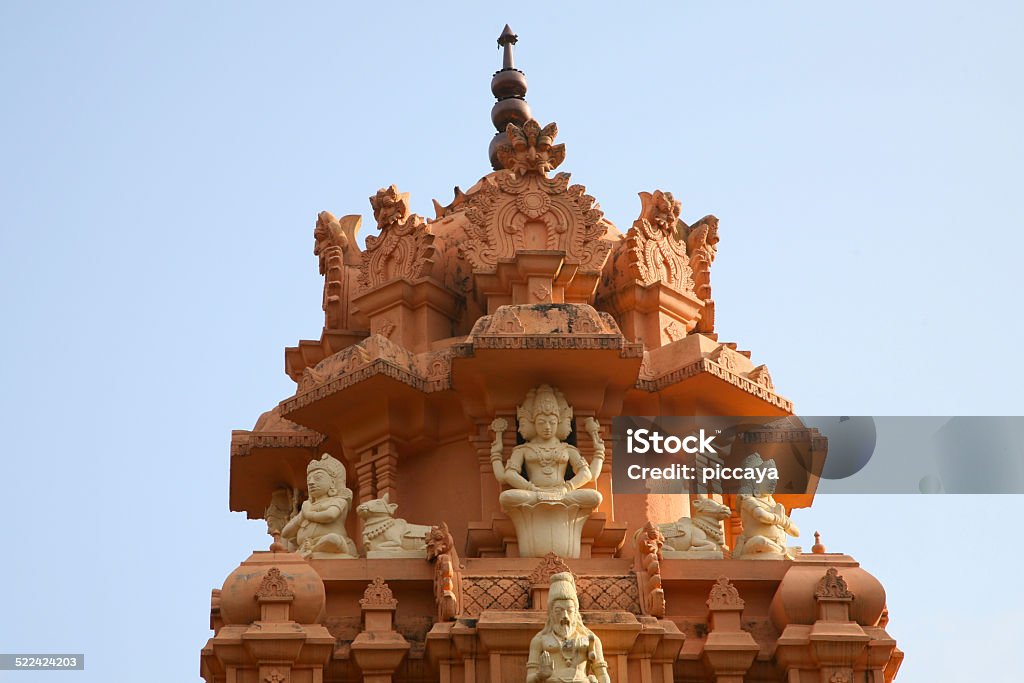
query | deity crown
(329,464)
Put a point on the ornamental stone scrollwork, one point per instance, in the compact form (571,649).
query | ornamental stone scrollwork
(441,551)
(724,596)
(335,247)
(550,565)
(547,510)
(649,542)
(275,676)
(653,252)
(378,594)
(832,586)
(701,240)
(274,586)
(405,247)
(521,208)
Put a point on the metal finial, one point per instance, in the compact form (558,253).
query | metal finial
(506,40)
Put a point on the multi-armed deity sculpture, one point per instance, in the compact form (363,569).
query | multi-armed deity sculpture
(547,509)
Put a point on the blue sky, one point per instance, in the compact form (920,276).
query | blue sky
(163,164)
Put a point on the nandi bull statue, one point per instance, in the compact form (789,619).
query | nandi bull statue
(700,537)
(385,535)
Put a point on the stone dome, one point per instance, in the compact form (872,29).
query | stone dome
(794,601)
(238,602)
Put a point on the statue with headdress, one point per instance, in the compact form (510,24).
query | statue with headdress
(542,501)
(765,522)
(565,651)
(319,528)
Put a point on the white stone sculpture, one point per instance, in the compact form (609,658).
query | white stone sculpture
(565,650)
(765,523)
(385,535)
(699,537)
(319,528)
(547,510)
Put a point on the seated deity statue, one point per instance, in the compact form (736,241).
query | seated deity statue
(765,523)
(545,422)
(565,651)
(319,528)
(547,509)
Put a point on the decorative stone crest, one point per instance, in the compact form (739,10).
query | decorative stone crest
(761,376)
(275,676)
(531,149)
(274,586)
(550,565)
(724,596)
(378,594)
(653,251)
(512,212)
(405,246)
(832,586)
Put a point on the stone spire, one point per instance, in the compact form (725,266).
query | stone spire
(509,88)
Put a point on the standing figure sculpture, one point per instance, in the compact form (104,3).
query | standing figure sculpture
(547,509)
(565,651)
(765,523)
(319,528)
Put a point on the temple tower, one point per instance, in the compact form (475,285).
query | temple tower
(446,453)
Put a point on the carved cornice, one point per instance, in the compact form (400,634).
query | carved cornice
(707,365)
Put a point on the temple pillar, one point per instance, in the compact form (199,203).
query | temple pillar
(729,650)
(378,649)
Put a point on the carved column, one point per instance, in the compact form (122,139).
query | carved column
(377,470)
(729,650)
(378,649)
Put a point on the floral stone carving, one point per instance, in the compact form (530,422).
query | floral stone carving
(565,650)
(385,535)
(548,510)
(702,246)
(765,523)
(319,528)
